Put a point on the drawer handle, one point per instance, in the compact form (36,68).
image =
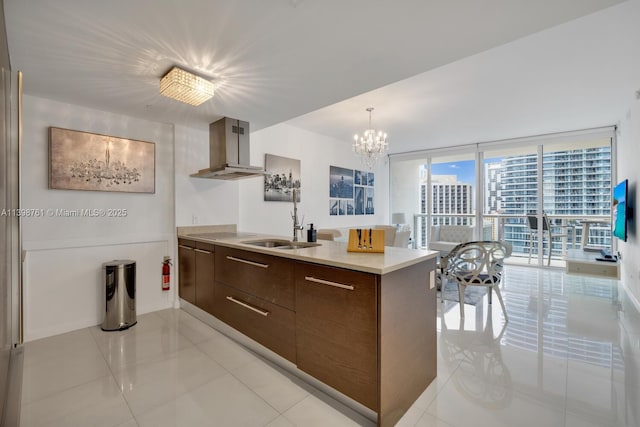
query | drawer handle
(250,307)
(256,264)
(326,282)
(202,251)
(185,247)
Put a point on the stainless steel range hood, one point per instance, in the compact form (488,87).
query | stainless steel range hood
(229,151)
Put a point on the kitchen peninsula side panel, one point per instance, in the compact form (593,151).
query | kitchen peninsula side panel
(407,338)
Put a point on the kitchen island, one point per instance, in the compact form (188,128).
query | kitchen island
(362,325)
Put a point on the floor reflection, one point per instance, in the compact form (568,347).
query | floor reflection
(481,376)
(572,344)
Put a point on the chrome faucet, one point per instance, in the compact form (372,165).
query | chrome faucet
(294,216)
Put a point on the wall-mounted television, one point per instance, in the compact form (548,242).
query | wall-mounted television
(620,211)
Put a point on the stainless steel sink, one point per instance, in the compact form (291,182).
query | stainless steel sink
(299,245)
(280,244)
(268,243)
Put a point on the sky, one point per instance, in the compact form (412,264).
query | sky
(464,170)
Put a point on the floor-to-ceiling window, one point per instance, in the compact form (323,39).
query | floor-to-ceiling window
(577,190)
(510,183)
(435,190)
(564,179)
(452,189)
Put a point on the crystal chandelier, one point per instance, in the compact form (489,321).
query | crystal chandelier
(186,87)
(371,145)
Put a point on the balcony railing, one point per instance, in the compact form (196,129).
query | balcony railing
(514,230)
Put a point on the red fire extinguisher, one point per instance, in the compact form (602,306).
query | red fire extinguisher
(166,273)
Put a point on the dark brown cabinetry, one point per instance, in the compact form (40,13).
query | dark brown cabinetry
(269,324)
(205,261)
(196,273)
(336,329)
(255,294)
(187,270)
(265,276)
(370,336)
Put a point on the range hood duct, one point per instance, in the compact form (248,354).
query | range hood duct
(229,151)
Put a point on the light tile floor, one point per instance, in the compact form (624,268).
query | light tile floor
(569,357)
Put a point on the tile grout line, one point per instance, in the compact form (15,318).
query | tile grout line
(261,398)
(263,360)
(239,367)
(113,377)
(426,410)
(64,389)
(173,355)
(279,414)
(566,385)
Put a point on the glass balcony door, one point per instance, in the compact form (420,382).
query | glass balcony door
(438,190)
(453,189)
(511,189)
(576,183)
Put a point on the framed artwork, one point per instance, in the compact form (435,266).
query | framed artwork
(368,205)
(340,182)
(350,191)
(283,175)
(350,207)
(370,180)
(333,206)
(94,162)
(359,201)
(357,177)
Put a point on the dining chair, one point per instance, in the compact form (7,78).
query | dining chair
(548,229)
(476,264)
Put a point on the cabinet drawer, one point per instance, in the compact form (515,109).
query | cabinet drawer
(186,242)
(336,329)
(266,323)
(206,246)
(267,277)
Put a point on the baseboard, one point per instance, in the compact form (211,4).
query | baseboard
(634,300)
(36,334)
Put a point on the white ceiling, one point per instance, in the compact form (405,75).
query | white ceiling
(579,75)
(276,60)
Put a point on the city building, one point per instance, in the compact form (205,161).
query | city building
(577,184)
(492,187)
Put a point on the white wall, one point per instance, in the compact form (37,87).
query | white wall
(627,167)
(405,178)
(200,201)
(628,155)
(316,153)
(63,289)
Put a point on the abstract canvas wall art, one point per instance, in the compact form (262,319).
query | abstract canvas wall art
(89,161)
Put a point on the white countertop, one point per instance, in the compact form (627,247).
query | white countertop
(328,253)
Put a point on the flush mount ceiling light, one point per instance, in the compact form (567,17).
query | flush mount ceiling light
(371,145)
(185,87)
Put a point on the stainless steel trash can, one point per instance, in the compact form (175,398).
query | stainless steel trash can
(119,278)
